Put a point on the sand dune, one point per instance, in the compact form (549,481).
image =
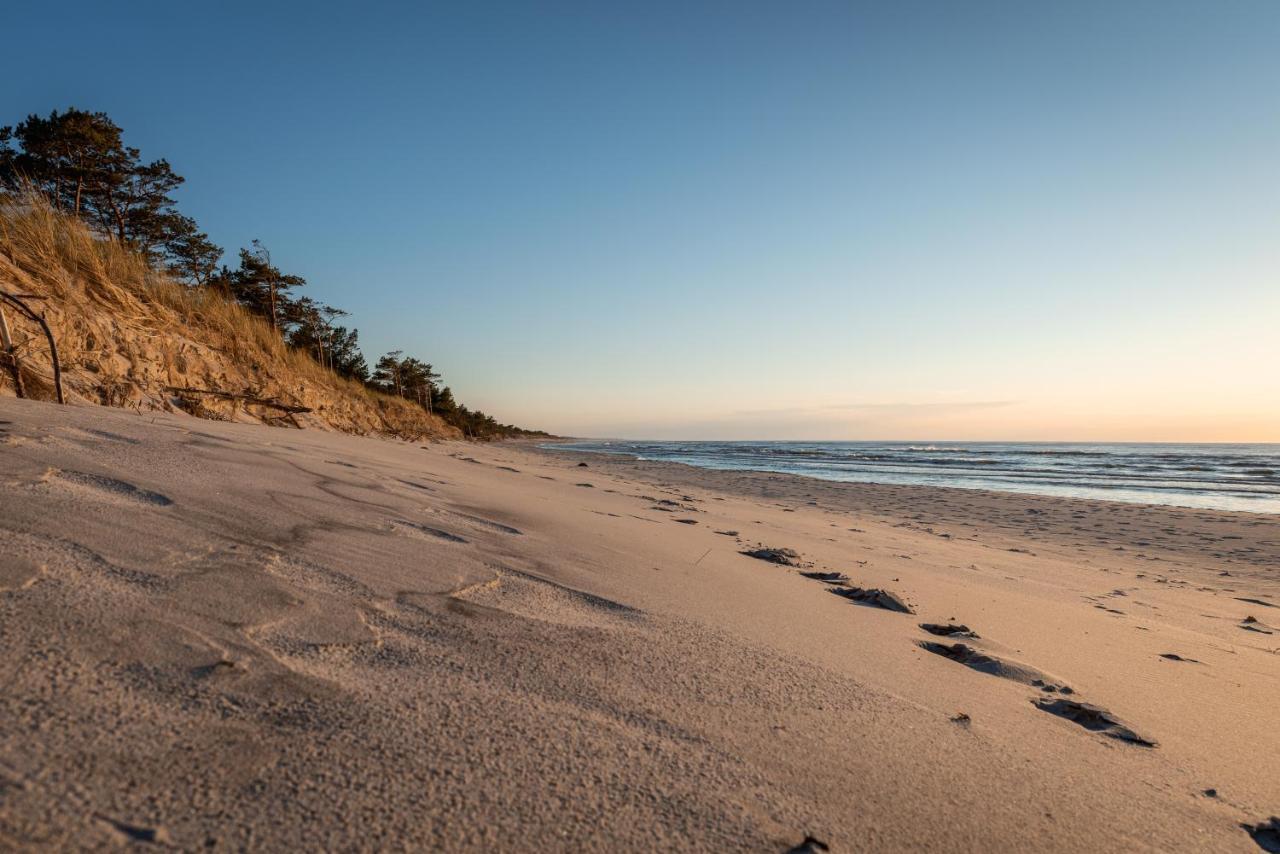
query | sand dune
(231,636)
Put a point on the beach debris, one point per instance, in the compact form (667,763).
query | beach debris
(875,598)
(809,845)
(950,630)
(1173,656)
(962,719)
(686,521)
(785,557)
(1252,624)
(1092,718)
(245,396)
(827,577)
(727,533)
(583,465)
(1266,834)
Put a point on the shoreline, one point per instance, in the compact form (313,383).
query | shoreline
(983,489)
(1198,532)
(258,637)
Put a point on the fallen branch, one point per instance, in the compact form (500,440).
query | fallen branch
(247,398)
(16,301)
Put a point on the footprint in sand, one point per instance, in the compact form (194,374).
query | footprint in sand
(415,529)
(530,597)
(135,832)
(484,523)
(950,630)
(986,663)
(1266,833)
(1092,718)
(783,557)
(874,598)
(827,577)
(109,487)
(103,434)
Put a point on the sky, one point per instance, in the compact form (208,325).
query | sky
(791,220)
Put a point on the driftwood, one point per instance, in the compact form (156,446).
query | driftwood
(16,300)
(290,408)
(9,356)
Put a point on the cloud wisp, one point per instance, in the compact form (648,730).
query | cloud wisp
(885,409)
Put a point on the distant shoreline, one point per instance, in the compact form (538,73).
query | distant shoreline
(994,467)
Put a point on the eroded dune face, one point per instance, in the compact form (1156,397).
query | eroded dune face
(128,336)
(235,636)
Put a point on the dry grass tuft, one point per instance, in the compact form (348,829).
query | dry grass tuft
(126,332)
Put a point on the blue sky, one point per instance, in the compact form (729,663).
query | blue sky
(740,220)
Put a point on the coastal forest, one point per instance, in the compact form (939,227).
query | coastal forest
(79,163)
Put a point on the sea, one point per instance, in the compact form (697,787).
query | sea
(1211,476)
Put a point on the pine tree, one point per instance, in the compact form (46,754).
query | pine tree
(78,160)
(386,374)
(259,285)
(418,380)
(192,256)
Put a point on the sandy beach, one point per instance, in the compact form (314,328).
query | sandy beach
(225,636)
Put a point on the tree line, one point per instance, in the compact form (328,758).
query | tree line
(79,162)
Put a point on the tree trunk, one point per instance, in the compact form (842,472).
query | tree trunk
(119,215)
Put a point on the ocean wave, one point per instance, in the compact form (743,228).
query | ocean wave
(1223,477)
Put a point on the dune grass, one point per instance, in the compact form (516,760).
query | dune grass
(58,257)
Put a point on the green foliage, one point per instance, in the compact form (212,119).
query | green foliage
(345,356)
(386,374)
(193,257)
(70,157)
(413,379)
(78,161)
(259,285)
